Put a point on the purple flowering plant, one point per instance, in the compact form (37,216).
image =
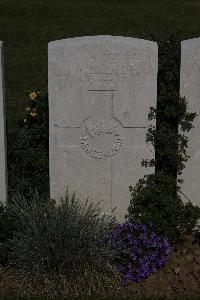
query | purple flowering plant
(137,251)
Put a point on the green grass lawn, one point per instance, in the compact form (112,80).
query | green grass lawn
(27,26)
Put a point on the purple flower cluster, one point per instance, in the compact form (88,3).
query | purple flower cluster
(137,252)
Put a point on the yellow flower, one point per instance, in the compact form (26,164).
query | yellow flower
(28,108)
(33,95)
(33,114)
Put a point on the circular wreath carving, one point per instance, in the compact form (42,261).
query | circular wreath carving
(100,139)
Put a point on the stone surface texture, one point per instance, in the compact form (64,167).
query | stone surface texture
(190,88)
(100,91)
(3,164)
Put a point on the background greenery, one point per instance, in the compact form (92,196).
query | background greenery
(27,26)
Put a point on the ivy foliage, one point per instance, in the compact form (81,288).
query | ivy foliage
(156,197)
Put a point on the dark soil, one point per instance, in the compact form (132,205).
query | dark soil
(180,276)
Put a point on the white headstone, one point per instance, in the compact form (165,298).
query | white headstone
(100,90)
(190,88)
(3,164)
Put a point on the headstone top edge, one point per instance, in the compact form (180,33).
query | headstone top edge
(192,42)
(63,42)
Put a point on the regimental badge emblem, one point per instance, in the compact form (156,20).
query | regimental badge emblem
(100,139)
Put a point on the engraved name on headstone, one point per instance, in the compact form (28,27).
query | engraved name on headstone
(100,90)
(3,164)
(190,88)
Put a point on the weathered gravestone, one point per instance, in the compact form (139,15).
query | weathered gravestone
(100,90)
(3,174)
(190,88)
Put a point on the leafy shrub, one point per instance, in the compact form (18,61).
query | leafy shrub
(28,162)
(151,199)
(51,239)
(138,251)
(156,196)
(36,112)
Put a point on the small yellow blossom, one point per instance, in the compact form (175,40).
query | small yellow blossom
(33,114)
(33,95)
(28,108)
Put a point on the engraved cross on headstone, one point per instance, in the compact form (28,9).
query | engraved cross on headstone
(101,128)
(100,90)
(103,140)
